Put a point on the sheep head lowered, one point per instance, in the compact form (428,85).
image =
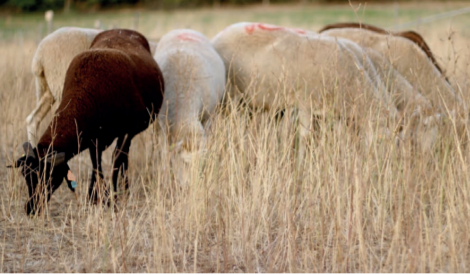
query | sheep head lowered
(43,176)
(111,91)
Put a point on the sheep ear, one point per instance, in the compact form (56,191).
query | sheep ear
(28,150)
(18,163)
(56,159)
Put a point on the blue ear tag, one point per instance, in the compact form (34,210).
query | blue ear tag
(73,184)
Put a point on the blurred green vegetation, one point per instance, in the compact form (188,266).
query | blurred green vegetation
(31,26)
(85,5)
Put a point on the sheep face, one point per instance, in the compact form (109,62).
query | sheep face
(43,176)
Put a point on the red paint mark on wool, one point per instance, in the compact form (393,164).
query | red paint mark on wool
(250,28)
(265,27)
(299,31)
(268,27)
(189,37)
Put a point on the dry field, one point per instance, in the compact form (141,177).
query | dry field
(356,207)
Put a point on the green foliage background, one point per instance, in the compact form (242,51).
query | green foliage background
(41,5)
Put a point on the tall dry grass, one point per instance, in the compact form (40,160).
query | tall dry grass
(250,207)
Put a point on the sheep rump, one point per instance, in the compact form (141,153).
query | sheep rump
(194,77)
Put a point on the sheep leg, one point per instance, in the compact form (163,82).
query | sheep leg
(121,160)
(95,155)
(37,115)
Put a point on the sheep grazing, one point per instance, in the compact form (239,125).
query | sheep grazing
(261,57)
(50,63)
(114,90)
(194,77)
(275,67)
(409,55)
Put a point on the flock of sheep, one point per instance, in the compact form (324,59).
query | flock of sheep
(113,84)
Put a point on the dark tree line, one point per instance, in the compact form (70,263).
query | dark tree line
(41,5)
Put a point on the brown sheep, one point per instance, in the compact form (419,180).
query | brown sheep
(114,90)
(50,62)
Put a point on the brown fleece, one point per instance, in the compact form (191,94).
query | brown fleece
(113,90)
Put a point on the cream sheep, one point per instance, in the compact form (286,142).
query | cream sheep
(50,63)
(194,77)
(49,66)
(275,67)
(410,60)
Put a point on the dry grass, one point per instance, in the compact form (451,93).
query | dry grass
(356,208)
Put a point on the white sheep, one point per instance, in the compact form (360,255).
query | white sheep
(194,77)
